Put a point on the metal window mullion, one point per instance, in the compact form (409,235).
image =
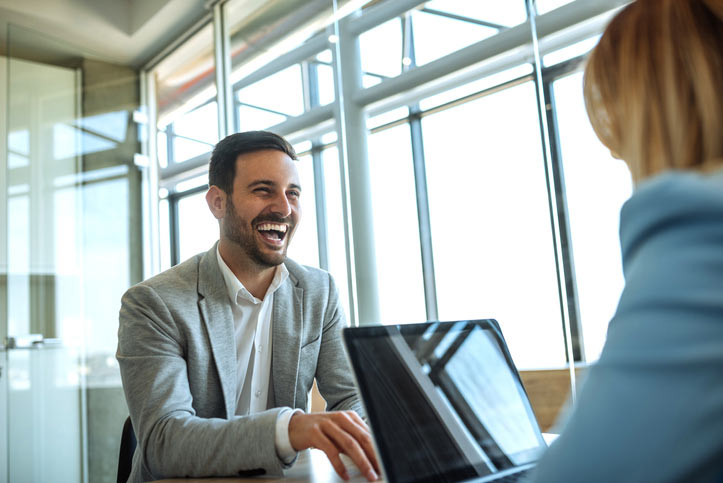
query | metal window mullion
(222,62)
(551,198)
(425,226)
(420,184)
(170,150)
(173,229)
(568,259)
(322,230)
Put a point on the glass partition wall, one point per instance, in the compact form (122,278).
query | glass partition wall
(449,169)
(70,197)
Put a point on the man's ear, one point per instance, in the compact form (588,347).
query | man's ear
(216,200)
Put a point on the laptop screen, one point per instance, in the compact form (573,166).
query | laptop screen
(444,400)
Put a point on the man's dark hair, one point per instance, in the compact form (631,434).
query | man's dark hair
(222,170)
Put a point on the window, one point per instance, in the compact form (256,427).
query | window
(596,186)
(197,228)
(304,247)
(186,100)
(490,222)
(396,229)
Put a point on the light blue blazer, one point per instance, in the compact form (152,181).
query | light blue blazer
(651,409)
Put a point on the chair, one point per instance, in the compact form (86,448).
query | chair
(127,448)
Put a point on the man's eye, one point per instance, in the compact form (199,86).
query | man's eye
(294,194)
(262,190)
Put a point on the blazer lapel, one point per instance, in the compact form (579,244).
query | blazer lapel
(217,316)
(287,328)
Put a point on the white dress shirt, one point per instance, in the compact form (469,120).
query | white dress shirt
(252,331)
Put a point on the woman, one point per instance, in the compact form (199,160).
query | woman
(651,409)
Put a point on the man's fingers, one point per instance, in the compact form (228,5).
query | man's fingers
(332,452)
(351,446)
(353,424)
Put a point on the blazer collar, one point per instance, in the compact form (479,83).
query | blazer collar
(287,326)
(216,313)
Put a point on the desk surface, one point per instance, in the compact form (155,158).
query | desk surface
(311,466)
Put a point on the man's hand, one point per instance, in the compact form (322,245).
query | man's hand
(335,433)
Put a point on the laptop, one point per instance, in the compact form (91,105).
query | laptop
(444,401)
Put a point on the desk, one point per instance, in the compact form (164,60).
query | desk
(311,466)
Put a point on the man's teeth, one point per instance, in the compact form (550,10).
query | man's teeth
(272,226)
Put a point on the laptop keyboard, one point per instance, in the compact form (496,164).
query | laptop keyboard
(512,478)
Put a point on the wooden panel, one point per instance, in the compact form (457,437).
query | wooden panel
(318,404)
(549,390)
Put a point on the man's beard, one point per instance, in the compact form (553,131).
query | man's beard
(243,234)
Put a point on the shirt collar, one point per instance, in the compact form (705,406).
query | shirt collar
(236,289)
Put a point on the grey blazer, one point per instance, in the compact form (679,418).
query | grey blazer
(177,358)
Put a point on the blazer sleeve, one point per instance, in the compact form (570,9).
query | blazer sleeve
(173,441)
(333,373)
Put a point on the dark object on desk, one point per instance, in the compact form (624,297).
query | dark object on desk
(127,448)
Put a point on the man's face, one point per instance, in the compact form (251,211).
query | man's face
(263,210)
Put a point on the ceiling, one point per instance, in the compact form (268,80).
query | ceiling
(126,32)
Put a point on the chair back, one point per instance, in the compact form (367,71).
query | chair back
(127,448)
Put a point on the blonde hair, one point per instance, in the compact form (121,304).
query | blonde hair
(654,86)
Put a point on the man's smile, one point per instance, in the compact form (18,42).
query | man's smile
(273,233)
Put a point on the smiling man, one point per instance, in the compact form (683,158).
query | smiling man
(219,353)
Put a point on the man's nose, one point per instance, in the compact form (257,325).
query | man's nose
(281,205)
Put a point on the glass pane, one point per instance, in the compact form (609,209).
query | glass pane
(574,50)
(508,13)
(544,6)
(396,226)
(491,230)
(71,253)
(200,124)
(304,247)
(162,149)
(596,186)
(335,224)
(185,149)
(325,79)
(197,228)
(381,49)
(252,119)
(280,93)
(186,97)
(436,36)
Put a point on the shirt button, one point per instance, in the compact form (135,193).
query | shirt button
(258,393)
(261,348)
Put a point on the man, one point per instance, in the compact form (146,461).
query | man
(218,354)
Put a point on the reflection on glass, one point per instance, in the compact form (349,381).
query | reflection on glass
(491,234)
(396,226)
(596,186)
